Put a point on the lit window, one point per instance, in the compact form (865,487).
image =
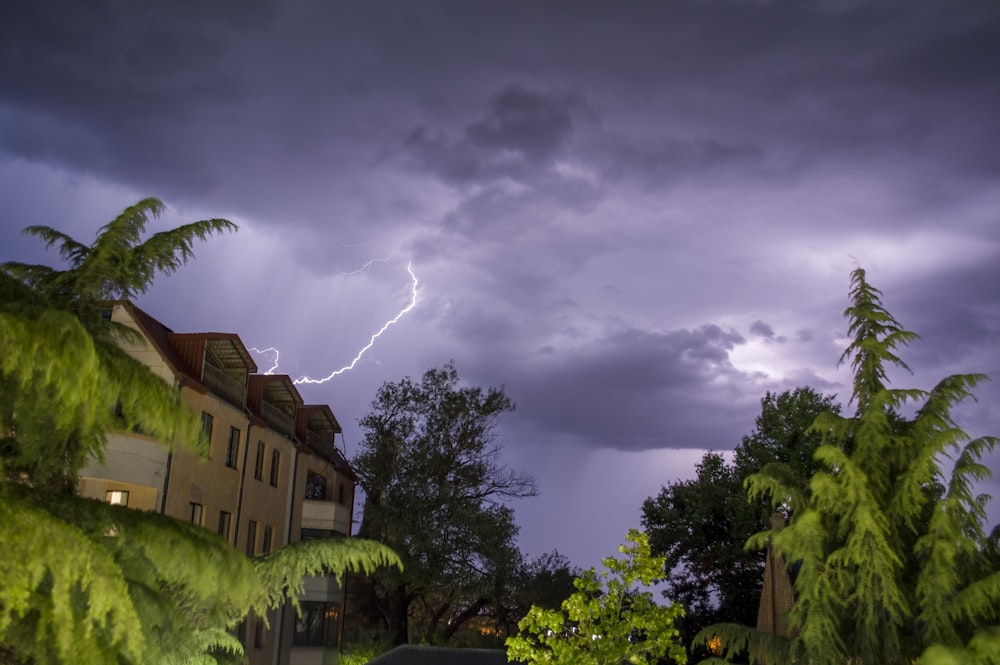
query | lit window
(117,497)
(317,626)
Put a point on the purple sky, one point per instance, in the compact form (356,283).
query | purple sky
(637,217)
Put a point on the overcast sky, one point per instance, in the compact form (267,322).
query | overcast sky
(637,217)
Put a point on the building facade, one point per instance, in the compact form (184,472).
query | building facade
(272,476)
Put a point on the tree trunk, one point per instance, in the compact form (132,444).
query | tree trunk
(469,612)
(399,611)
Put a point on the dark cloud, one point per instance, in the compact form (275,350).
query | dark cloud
(761,329)
(579,186)
(521,133)
(627,390)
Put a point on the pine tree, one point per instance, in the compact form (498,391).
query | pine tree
(892,561)
(82,581)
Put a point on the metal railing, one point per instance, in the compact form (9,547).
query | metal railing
(278,419)
(227,387)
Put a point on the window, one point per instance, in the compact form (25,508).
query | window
(251,537)
(342,494)
(224,520)
(233,447)
(197,514)
(315,486)
(275,465)
(117,497)
(317,626)
(258,467)
(259,632)
(265,547)
(317,534)
(206,424)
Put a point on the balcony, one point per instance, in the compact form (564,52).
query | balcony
(326,515)
(277,419)
(224,385)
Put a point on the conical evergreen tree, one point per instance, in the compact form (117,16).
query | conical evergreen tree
(892,561)
(82,581)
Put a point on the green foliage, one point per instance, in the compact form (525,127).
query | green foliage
(362,651)
(81,581)
(609,620)
(700,525)
(893,564)
(67,354)
(112,583)
(435,493)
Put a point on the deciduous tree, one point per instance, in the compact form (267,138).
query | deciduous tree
(436,493)
(700,525)
(610,619)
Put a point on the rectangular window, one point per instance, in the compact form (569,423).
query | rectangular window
(266,545)
(258,467)
(260,630)
(251,537)
(315,486)
(317,626)
(275,465)
(117,497)
(317,534)
(342,494)
(197,514)
(233,447)
(224,520)
(206,424)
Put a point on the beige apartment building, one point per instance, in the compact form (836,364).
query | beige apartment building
(273,475)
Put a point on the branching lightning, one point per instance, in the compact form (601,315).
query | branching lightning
(270,349)
(371,341)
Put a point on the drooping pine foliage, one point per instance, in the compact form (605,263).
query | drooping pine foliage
(81,581)
(891,558)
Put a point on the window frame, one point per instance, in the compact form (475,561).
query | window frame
(197,513)
(275,467)
(258,467)
(251,537)
(226,521)
(316,625)
(207,424)
(233,447)
(122,495)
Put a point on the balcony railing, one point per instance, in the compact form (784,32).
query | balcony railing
(233,391)
(324,445)
(326,516)
(278,419)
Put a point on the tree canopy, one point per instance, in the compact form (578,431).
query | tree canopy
(700,525)
(887,538)
(85,582)
(610,619)
(436,492)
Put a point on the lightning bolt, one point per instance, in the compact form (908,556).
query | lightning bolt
(371,340)
(270,349)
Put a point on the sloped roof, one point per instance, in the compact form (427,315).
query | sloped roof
(412,654)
